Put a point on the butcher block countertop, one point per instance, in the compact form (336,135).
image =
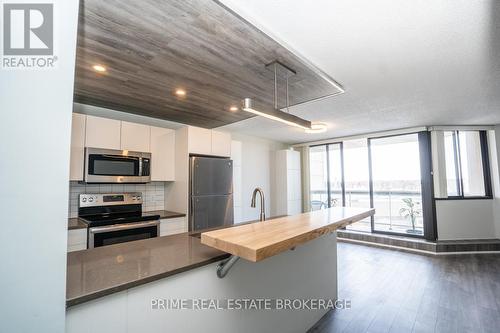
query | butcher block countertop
(260,240)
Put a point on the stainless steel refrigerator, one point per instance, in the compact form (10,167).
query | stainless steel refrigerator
(211,192)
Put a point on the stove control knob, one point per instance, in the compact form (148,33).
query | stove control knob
(84,199)
(134,198)
(139,198)
(91,199)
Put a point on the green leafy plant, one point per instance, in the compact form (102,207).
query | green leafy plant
(411,211)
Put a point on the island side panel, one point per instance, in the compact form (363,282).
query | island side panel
(309,271)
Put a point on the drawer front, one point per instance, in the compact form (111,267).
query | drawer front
(173,226)
(77,239)
(77,247)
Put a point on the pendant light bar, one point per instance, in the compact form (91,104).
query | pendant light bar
(277,115)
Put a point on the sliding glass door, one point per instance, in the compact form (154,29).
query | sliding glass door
(396,184)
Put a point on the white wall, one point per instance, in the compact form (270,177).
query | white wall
(35,126)
(464,219)
(258,158)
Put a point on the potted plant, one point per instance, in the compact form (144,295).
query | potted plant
(411,211)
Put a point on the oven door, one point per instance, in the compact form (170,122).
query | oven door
(116,166)
(120,233)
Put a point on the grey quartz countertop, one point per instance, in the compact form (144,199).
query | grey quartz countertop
(75,223)
(101,271)
(164,214)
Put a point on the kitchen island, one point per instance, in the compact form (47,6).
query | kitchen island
(180,267)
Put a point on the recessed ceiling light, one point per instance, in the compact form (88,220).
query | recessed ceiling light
(233,108)
(316,128)
(99,68)
(180,92)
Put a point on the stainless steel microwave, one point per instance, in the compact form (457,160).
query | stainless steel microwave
(116,166)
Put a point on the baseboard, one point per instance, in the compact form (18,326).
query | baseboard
(420,245)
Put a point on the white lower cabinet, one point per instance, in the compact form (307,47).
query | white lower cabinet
(173,226)
(77,239)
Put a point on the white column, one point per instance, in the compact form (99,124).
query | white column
(35,126)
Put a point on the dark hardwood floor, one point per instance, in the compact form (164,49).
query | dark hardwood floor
(394,291)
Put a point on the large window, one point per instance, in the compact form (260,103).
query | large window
(467,173)
(390,174)
(396,179)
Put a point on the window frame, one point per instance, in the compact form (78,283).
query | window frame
(328,184)
(485,162)
(429,211)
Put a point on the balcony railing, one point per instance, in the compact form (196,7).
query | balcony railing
(393,214)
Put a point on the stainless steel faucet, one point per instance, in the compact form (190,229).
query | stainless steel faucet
(262,203)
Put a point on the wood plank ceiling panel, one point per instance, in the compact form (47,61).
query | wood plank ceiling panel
(152,47)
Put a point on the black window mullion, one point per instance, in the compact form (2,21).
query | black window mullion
(483,137)
(458,164)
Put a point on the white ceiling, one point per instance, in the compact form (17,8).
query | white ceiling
(403,63)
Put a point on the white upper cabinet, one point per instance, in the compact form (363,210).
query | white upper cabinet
(162,154)
(97,132)
(221,144)
(77,147)
(199,140)
(208,142)
(135,137)
(103,133)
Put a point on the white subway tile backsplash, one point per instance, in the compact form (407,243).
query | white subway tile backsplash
(153,194)
(105,188)
(118,188)
(92,189)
